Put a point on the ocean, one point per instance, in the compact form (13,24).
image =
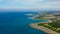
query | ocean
(17,23)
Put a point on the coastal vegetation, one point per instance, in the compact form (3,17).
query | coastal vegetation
(53,25)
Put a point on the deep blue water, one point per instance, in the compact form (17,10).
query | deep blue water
(17,23)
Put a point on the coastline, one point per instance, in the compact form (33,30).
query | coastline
(44,29)
(41,27)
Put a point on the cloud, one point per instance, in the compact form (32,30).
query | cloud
(30,4)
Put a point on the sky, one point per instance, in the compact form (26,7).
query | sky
(30,4)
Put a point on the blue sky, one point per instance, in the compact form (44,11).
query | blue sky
(30,4)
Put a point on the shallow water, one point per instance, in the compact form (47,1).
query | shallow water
(17,23)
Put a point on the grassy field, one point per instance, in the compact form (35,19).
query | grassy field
(50,27)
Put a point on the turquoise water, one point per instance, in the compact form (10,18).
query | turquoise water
(17,23)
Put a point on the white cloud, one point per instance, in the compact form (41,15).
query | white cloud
(31,4)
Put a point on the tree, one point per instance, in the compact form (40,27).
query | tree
(55,23)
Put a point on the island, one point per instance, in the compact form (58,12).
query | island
(50,27)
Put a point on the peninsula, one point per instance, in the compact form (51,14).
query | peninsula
(50,27)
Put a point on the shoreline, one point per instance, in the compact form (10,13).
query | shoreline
(44,29)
